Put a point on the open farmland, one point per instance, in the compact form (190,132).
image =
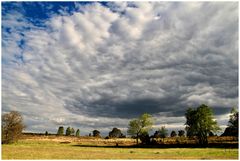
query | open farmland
(51,147)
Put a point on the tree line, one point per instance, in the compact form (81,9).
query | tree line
(70,131)
(199,123)
(115,133)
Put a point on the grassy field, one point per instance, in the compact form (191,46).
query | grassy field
(53,149)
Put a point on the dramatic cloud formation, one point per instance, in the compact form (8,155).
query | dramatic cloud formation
(95,66)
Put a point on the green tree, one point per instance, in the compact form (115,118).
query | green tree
(233,128)
(173,134)
(191,122)
(144,137)
(68,131)
(156,134)
(200,122)
(141,125)
(72,131)
(115,133)
(163,132)
(12,127)
(60,130)
(181,133)
(96,133)
(233,121)
(78,132)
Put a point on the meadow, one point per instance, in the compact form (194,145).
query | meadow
(85,148)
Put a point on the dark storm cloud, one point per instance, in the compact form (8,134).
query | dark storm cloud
(124,109)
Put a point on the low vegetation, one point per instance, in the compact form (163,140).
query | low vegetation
(53,147)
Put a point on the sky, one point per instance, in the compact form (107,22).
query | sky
(92,65)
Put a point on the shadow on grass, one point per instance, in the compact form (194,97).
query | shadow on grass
(211,145)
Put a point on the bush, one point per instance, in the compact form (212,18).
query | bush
(96,133)
(173,134)
(12,127)
(115,133)
(145,139)
(181,133)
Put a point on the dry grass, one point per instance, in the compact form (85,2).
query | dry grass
(82,140)
(80,148)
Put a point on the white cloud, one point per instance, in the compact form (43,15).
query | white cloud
(108,59)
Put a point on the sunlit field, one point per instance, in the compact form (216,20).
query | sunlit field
(62,148)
